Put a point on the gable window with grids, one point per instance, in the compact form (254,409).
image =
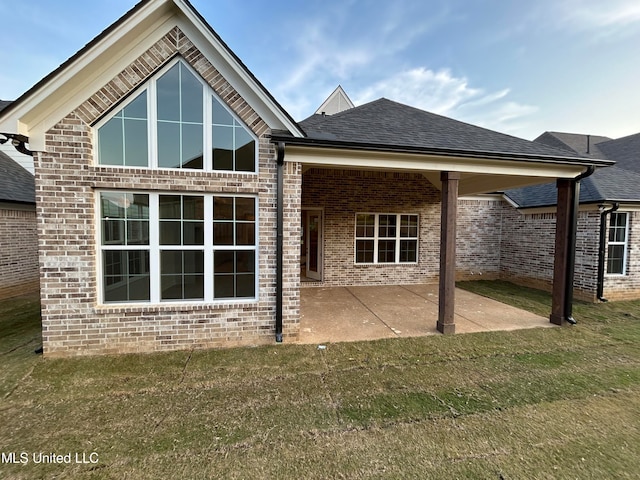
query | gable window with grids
(617,243)
(164,247)
(176,121)
(386,238)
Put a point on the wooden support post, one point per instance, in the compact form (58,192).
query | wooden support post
(561,273)
(446,292)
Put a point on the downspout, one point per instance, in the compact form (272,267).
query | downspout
(571,260)
(602,248)
(279,238)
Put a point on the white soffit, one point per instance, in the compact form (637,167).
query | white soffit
(70,87)
(427,162)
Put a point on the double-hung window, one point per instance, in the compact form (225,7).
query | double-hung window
(617,244)
(386,238)
(175,120)
(159,247)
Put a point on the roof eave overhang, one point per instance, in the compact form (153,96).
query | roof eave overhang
(378,156)
(482,172)
(591,206)
(40,108)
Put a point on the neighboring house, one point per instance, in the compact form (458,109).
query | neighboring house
(608,242)
(18,235)
(174,193)
(337,102)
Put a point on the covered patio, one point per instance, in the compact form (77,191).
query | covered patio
(339,314)
(355,176)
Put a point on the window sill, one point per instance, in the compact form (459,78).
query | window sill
(146,308)
(187,172)
(401,264)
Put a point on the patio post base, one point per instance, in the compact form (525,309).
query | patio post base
(557,319)
(446,328)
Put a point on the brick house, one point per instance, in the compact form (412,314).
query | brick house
(608,240)
(18,234)
(180,206)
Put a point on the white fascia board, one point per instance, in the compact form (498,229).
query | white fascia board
(509,201)
(235,73)
(38,113)
(591,207)
(344,158)
(87,74)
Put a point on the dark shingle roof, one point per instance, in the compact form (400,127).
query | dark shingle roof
(625,151)
(618,183)
(387,123)
(16,184)
(586,145)
(4,104)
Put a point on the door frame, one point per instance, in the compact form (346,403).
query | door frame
(307,212)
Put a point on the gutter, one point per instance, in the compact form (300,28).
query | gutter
(571,256)
(441,152)
(279,238)
(602,248)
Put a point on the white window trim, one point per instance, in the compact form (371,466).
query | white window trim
(154,249)
(149,87)
(625,245)
(376,238)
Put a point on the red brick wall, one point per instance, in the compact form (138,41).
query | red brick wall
(67,181)
(343,193)
(18,252)
(528,245)
(478,239)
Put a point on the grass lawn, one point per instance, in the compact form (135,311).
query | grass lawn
(546,403)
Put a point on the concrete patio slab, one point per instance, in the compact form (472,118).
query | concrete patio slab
(340,314)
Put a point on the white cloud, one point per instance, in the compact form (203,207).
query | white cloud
(341,43)
(442,93)
(601,19)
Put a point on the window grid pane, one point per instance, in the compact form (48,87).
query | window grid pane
(126,275)
(181,265)
(180,124)
(386,238)
(125,219)
(182,274)
(365,226)
(233,148)
(178,113)
(123,140)
(616,250)
(181,220)
(234,274)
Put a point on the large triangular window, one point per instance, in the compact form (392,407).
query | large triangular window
(176,121)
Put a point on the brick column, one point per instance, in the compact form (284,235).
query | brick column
(446,292)
(563,265)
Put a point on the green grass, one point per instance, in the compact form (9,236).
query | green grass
(540,403)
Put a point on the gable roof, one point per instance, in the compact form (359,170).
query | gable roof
(38,109)
(580,143)
(4,104)
(16,184)
(387,125)
(620,183)
(337,102)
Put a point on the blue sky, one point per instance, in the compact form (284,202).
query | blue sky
(512,66)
